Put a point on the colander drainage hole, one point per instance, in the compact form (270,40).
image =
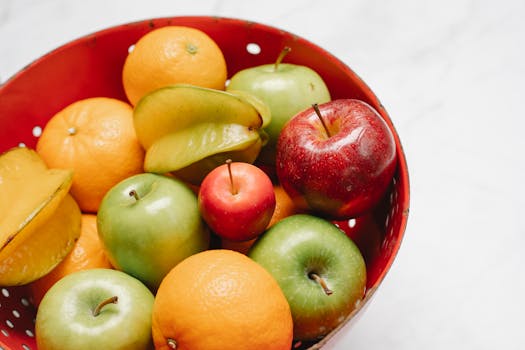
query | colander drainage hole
(37,131)
(25,302)
(253,48)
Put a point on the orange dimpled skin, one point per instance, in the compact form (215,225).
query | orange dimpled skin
(87,253)
(173,55)
(94,137)
(221,300)
(284,206)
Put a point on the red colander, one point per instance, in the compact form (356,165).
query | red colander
(92,66)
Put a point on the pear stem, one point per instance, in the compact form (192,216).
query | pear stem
(172,344)
(319,115)
(322,282)
(283,53)
(134,194)
(229,164)
(112,300)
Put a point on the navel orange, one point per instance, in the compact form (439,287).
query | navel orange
(94,137)
(170,55)
(284,205)
(87,254)
(221,300)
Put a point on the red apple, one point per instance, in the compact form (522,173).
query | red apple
(237,201)
(337,158)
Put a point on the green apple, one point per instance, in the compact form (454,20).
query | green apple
(286,89)
(148,223)
(95,309)
(320,270)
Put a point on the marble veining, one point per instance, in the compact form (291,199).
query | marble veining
(450,74)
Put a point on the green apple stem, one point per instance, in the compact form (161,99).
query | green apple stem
(134,194)
(112,300)
(172,344)
(283,53)
(319,115)
(229,164)
(321,281)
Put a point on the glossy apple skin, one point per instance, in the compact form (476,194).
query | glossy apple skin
(65,318)
(242,215)
(288,90)
(149,236)
(302,244)
(342,175)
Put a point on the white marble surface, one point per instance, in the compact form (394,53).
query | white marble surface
(450,73)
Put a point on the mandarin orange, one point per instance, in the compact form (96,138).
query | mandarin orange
(87,253)
(94,137)
(284,205)
(221,300)
(171,55)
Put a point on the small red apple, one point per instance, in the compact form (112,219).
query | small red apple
(237,200)
(337,158)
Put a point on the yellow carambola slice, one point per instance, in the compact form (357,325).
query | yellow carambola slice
(177,107)
(196,172)
(192,144)
(39,221)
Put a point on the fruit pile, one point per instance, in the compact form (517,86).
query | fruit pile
(198,214)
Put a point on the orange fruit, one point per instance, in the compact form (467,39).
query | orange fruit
(87,254)
(94,137)
(284,205)
(220,300)
(172,55)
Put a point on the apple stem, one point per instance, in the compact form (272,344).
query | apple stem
(134,194)
(112,300)
(283,53)
(318,112)
(229,164)
(172,344)
(322,282)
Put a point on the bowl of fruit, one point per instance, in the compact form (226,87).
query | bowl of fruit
(193,183)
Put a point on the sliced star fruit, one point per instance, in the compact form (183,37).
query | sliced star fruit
(40,221)
(199,144)
(176,107)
